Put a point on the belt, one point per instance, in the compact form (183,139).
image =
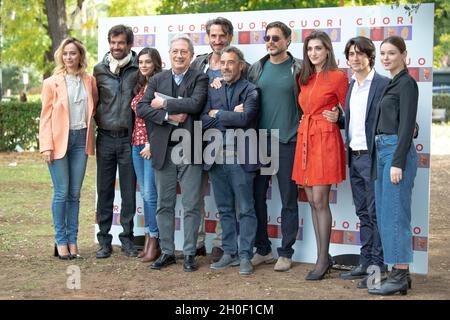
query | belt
(115,133)
(307,119)
(359,152)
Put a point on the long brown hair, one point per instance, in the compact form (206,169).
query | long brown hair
(60,67)
(308,67)
(397,42)
(141,81)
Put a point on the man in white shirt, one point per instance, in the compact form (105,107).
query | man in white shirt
(365,91)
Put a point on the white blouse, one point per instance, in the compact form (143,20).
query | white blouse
(78,104)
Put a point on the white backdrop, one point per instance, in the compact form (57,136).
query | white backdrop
(376,22)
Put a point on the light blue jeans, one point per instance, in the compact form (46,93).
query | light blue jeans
(146,179)
(67,176)
(393,201)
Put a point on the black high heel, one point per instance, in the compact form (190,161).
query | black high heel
(56,254)
(315,276)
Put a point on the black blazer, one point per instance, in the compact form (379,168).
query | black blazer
(244,92)
(379,84)
(193,89)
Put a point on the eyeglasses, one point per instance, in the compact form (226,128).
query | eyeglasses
(274,38)
(182,52)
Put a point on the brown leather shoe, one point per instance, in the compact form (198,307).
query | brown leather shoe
(216,254)
(153,252)
(146,243)
(200,251)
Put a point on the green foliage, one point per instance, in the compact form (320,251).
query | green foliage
(13,79)
(441,33)
(442,101)
(199,6)
(19,124)
(25,32)
(25,37)
(127,8)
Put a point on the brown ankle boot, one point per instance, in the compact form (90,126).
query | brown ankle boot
(146,245)
(153,251)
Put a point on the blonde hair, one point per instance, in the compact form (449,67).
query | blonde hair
(60,67)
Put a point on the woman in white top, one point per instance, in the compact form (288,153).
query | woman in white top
(66,138)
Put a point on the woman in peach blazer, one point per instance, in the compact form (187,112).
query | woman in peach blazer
(66,138)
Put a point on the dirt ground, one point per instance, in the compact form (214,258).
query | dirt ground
(28,270)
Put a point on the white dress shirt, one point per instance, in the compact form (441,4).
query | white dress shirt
(358,109)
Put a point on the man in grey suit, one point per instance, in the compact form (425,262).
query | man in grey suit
(166,119)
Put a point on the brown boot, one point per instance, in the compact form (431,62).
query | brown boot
(146,244)
(153,252)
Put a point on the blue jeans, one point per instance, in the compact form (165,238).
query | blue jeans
(393,201)
(230,182)
(67,176)
(146,179)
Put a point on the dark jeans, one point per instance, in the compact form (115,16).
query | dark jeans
(289,209)
(230,182)
(363,190)
(113,152)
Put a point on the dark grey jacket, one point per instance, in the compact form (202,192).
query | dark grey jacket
(193,90)
(115,93)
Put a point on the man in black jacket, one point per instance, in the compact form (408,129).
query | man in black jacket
(115,77)
(166,119)
(276,74)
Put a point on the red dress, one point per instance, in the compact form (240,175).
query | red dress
(320,154)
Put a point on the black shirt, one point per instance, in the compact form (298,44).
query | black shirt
(397,114)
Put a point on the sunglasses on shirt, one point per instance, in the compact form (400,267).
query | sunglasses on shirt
(274,38)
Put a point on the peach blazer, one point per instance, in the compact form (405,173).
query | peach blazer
(54,120)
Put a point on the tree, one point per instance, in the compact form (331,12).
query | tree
(32,30)
(124,8)
(193,6)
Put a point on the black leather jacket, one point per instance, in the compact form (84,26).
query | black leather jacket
(115,94)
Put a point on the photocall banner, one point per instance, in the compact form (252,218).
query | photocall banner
(341,24)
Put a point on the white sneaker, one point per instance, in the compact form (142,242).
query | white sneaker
(259,259)
(283,264)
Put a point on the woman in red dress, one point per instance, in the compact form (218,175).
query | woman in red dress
(319,155)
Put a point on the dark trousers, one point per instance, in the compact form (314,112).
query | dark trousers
(289,209)
(113,152)
(363,190)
